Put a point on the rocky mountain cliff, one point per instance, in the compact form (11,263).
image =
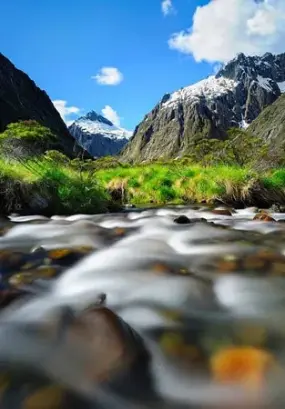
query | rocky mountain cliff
(21,99)
(233,97)
(98,135)
(270,124)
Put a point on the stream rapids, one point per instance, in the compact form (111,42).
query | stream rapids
(176,307)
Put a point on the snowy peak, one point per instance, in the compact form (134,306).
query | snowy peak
(207,89)
(234,97)
(268,66)
(238,75)
(98,135)
(93,124)
(93,116)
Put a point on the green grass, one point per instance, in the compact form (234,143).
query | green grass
(72,191)
(67,190)
(180,183)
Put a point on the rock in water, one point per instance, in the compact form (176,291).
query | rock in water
(182,219)
(114,358)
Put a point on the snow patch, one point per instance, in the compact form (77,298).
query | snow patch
(243,124)
(281,86)
(209,89)
(96,127)
(264,83)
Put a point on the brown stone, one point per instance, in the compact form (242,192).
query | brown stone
(278,268)
(222,211)
(110,345)
(264,217)
(227,264)
(253,262)
(49,397)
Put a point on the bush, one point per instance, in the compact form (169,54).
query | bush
(236,150)
(74,193)
(57,157)
(24,139)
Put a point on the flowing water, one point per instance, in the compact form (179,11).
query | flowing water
(141,309)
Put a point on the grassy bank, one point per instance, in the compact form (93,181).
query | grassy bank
(34,180)
(48,187)
(182,183)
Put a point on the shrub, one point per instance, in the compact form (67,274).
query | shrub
(74,193)
(57,157)
(24,139)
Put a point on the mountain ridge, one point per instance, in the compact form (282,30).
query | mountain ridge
(234,97)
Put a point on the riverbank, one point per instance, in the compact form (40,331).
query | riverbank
(179,183)
(45,186)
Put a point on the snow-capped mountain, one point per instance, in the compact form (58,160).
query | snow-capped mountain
(98,135)
(233,97)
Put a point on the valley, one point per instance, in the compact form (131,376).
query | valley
(192,147)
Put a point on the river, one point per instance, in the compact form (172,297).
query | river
(175,307)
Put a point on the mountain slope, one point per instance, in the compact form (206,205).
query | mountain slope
(234,97)
(21,99)
(270,124)
(98,135)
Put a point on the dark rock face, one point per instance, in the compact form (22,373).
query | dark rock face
(234,97)
(98,136)
(21,99)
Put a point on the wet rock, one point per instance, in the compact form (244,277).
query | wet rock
(254,262)
(246,366)
(182,219)
(116,354)
(11,260)
(28,277)
(264,217)
(228,263)
(222,211)
(277,208)
(129,206)
(7,296)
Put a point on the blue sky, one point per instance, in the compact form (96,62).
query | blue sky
(62,44)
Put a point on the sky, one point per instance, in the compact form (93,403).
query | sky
(119,57)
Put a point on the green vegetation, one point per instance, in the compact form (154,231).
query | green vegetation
(235,172)
(31,130)
(239,149)
(32,179)
(25,139)
(49,187)
(180,182)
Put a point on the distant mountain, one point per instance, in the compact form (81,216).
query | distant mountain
(98,135)
(21,99)
(270,124)
(234,97)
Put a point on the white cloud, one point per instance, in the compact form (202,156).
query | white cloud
(167,7)
(65,111)
(108,76)
(112,115)
(223,28)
